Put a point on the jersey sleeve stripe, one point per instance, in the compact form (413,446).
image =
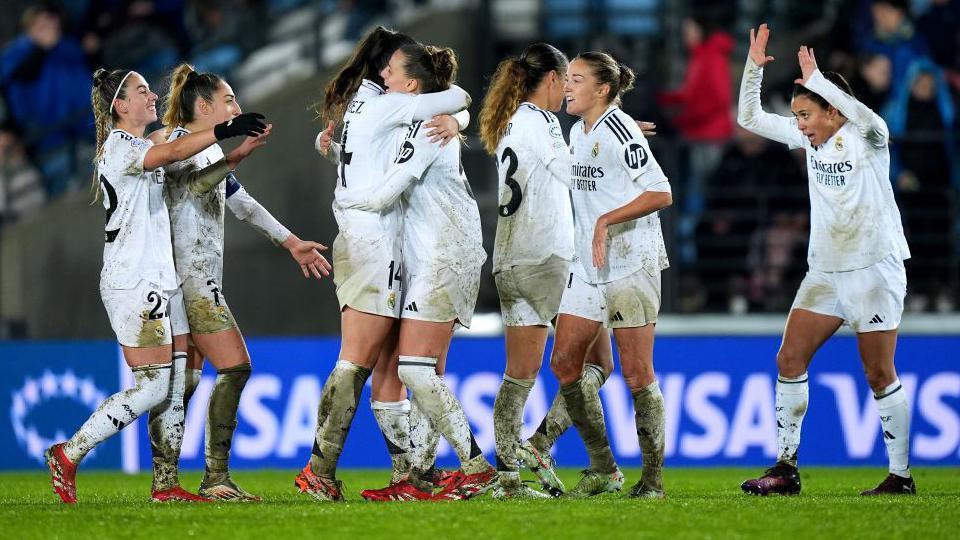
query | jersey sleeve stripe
(616,131)
(619,121)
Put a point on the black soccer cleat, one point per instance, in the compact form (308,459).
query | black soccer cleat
(893,485)
(781,479)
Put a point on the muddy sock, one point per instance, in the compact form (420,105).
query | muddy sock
(424,439)
(558,421)
(592,428)
(648,403)
(508,420)
(792,396)
(166,428)
(394,421)
(151,385)
(222,417)
(437,401)
(191,382)
(338,405)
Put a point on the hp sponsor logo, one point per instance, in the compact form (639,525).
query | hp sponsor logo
(406,152)
(635,156)
(48,390)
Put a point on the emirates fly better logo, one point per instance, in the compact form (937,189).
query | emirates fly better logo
(37,392)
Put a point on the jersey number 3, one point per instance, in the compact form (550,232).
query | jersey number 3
(516,194)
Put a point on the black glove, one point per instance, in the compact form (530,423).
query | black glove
(248,124)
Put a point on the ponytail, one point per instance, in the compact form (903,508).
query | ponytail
(516,79)
(186,85)
(106,88)
(370,57)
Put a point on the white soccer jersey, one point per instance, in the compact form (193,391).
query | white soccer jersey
(197,220)
(854,219)
(441,222)
(137,232)
(612,165)
(535,219)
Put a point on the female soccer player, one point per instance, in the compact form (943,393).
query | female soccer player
(138,283)
(856,255)
(367,251)
(617,189)
(518,127)
(197,101)
(443,253)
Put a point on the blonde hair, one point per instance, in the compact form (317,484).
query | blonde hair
(186,85)
(106,85)
(516,78)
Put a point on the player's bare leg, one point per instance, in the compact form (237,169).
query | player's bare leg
(421,344)
(805,333)
(636,360)
(535,452)
(573,338)
(876,352)
(151,373)
(227,351)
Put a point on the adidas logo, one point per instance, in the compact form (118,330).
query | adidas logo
(888,435)
(116,422)
(617,317)
(876,320)
(411,307)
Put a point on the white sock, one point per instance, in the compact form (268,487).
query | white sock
(393,417)
(424,439)
(793,395)
(151,385)
(166,428)
(419,374)
(895,420)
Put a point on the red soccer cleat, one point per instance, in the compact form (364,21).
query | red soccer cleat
(442,477)
(318,487)
(400,491)
(464,486)
(177,494)
(63,473)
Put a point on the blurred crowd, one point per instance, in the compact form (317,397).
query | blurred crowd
(740,225)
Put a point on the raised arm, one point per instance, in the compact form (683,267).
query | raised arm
(750,114)
(449,101)
(203,180)
(158,155)
(867,122)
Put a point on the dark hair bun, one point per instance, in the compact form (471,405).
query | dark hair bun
(444,62)
(626,78)
(99,76)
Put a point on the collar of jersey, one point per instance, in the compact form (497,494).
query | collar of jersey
(124,131)
(599,119)
(370,85)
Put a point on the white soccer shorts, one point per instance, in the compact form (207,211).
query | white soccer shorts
(628,302)
(530,294)
(368,275)
(142,316)
(868,300)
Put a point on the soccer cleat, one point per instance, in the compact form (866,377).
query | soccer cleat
(438,477)
(399,491)
(541,464)
(465,486)
(594,483)
(222,488)
(781,479)
(518,490)
(177,494)
(893,485)
(63,473)
(641,490)
(318,487)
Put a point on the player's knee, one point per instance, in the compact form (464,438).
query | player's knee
(565,367)
(879,378)
(790,363)
(152,387)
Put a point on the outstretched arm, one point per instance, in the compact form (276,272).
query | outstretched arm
(449,101)
(870,125)
(398,179)
(750,114)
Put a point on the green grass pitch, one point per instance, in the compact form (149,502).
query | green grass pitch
(701,503)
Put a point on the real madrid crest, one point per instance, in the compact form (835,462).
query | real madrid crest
(392,300)
(838,144)
(596,149)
